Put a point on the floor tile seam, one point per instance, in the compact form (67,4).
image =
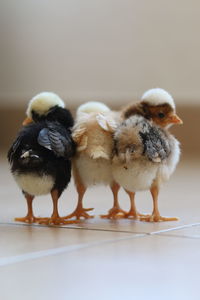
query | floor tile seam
(72,227)
(4,261)
(190,237)
(104,230)
(175,228)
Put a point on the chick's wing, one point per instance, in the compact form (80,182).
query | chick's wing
(57,140)
(156,145)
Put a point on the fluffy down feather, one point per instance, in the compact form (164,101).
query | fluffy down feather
(42,102)
(92,133)
(93,136)
(144,153)
(158,96)
(137,137)
(92,107)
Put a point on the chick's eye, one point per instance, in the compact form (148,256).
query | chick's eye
(161,115)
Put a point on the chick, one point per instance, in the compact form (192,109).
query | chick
(156,105)
(40,155)
(92,133)
(146,154)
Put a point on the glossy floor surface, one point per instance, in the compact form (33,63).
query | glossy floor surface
(101,259)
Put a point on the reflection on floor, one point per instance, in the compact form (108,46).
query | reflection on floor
(101,259)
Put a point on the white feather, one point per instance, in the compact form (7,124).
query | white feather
(140,174)
(92,106)
(34,184)
(25,154)
(106,122)
(42,102)
(168,167)
(135,176)
(158,96)
(93,171)
(102,122)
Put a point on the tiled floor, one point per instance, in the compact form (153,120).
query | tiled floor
(100,259)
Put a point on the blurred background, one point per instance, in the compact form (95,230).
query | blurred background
(107,50)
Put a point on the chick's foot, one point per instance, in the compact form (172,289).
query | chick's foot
(157,218)
(27,219)
(55,221)
(115,213)
(80,213)
(132,214)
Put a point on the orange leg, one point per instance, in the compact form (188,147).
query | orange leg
(55,218)
(133,211)
(115,212)
(80,211)
(29,218)
(156,217)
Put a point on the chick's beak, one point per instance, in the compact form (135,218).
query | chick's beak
(174,119)
(27,121)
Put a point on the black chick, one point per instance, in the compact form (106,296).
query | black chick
(40,156)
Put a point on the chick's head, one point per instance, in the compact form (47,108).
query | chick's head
(48,106)
(158,105)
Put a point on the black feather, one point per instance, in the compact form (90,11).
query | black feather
(55,114)
(53,162)
(13,149)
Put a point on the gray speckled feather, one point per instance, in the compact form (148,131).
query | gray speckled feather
(153,140)
(156,146)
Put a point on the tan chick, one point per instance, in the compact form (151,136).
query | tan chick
(95,124)
(146,154)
